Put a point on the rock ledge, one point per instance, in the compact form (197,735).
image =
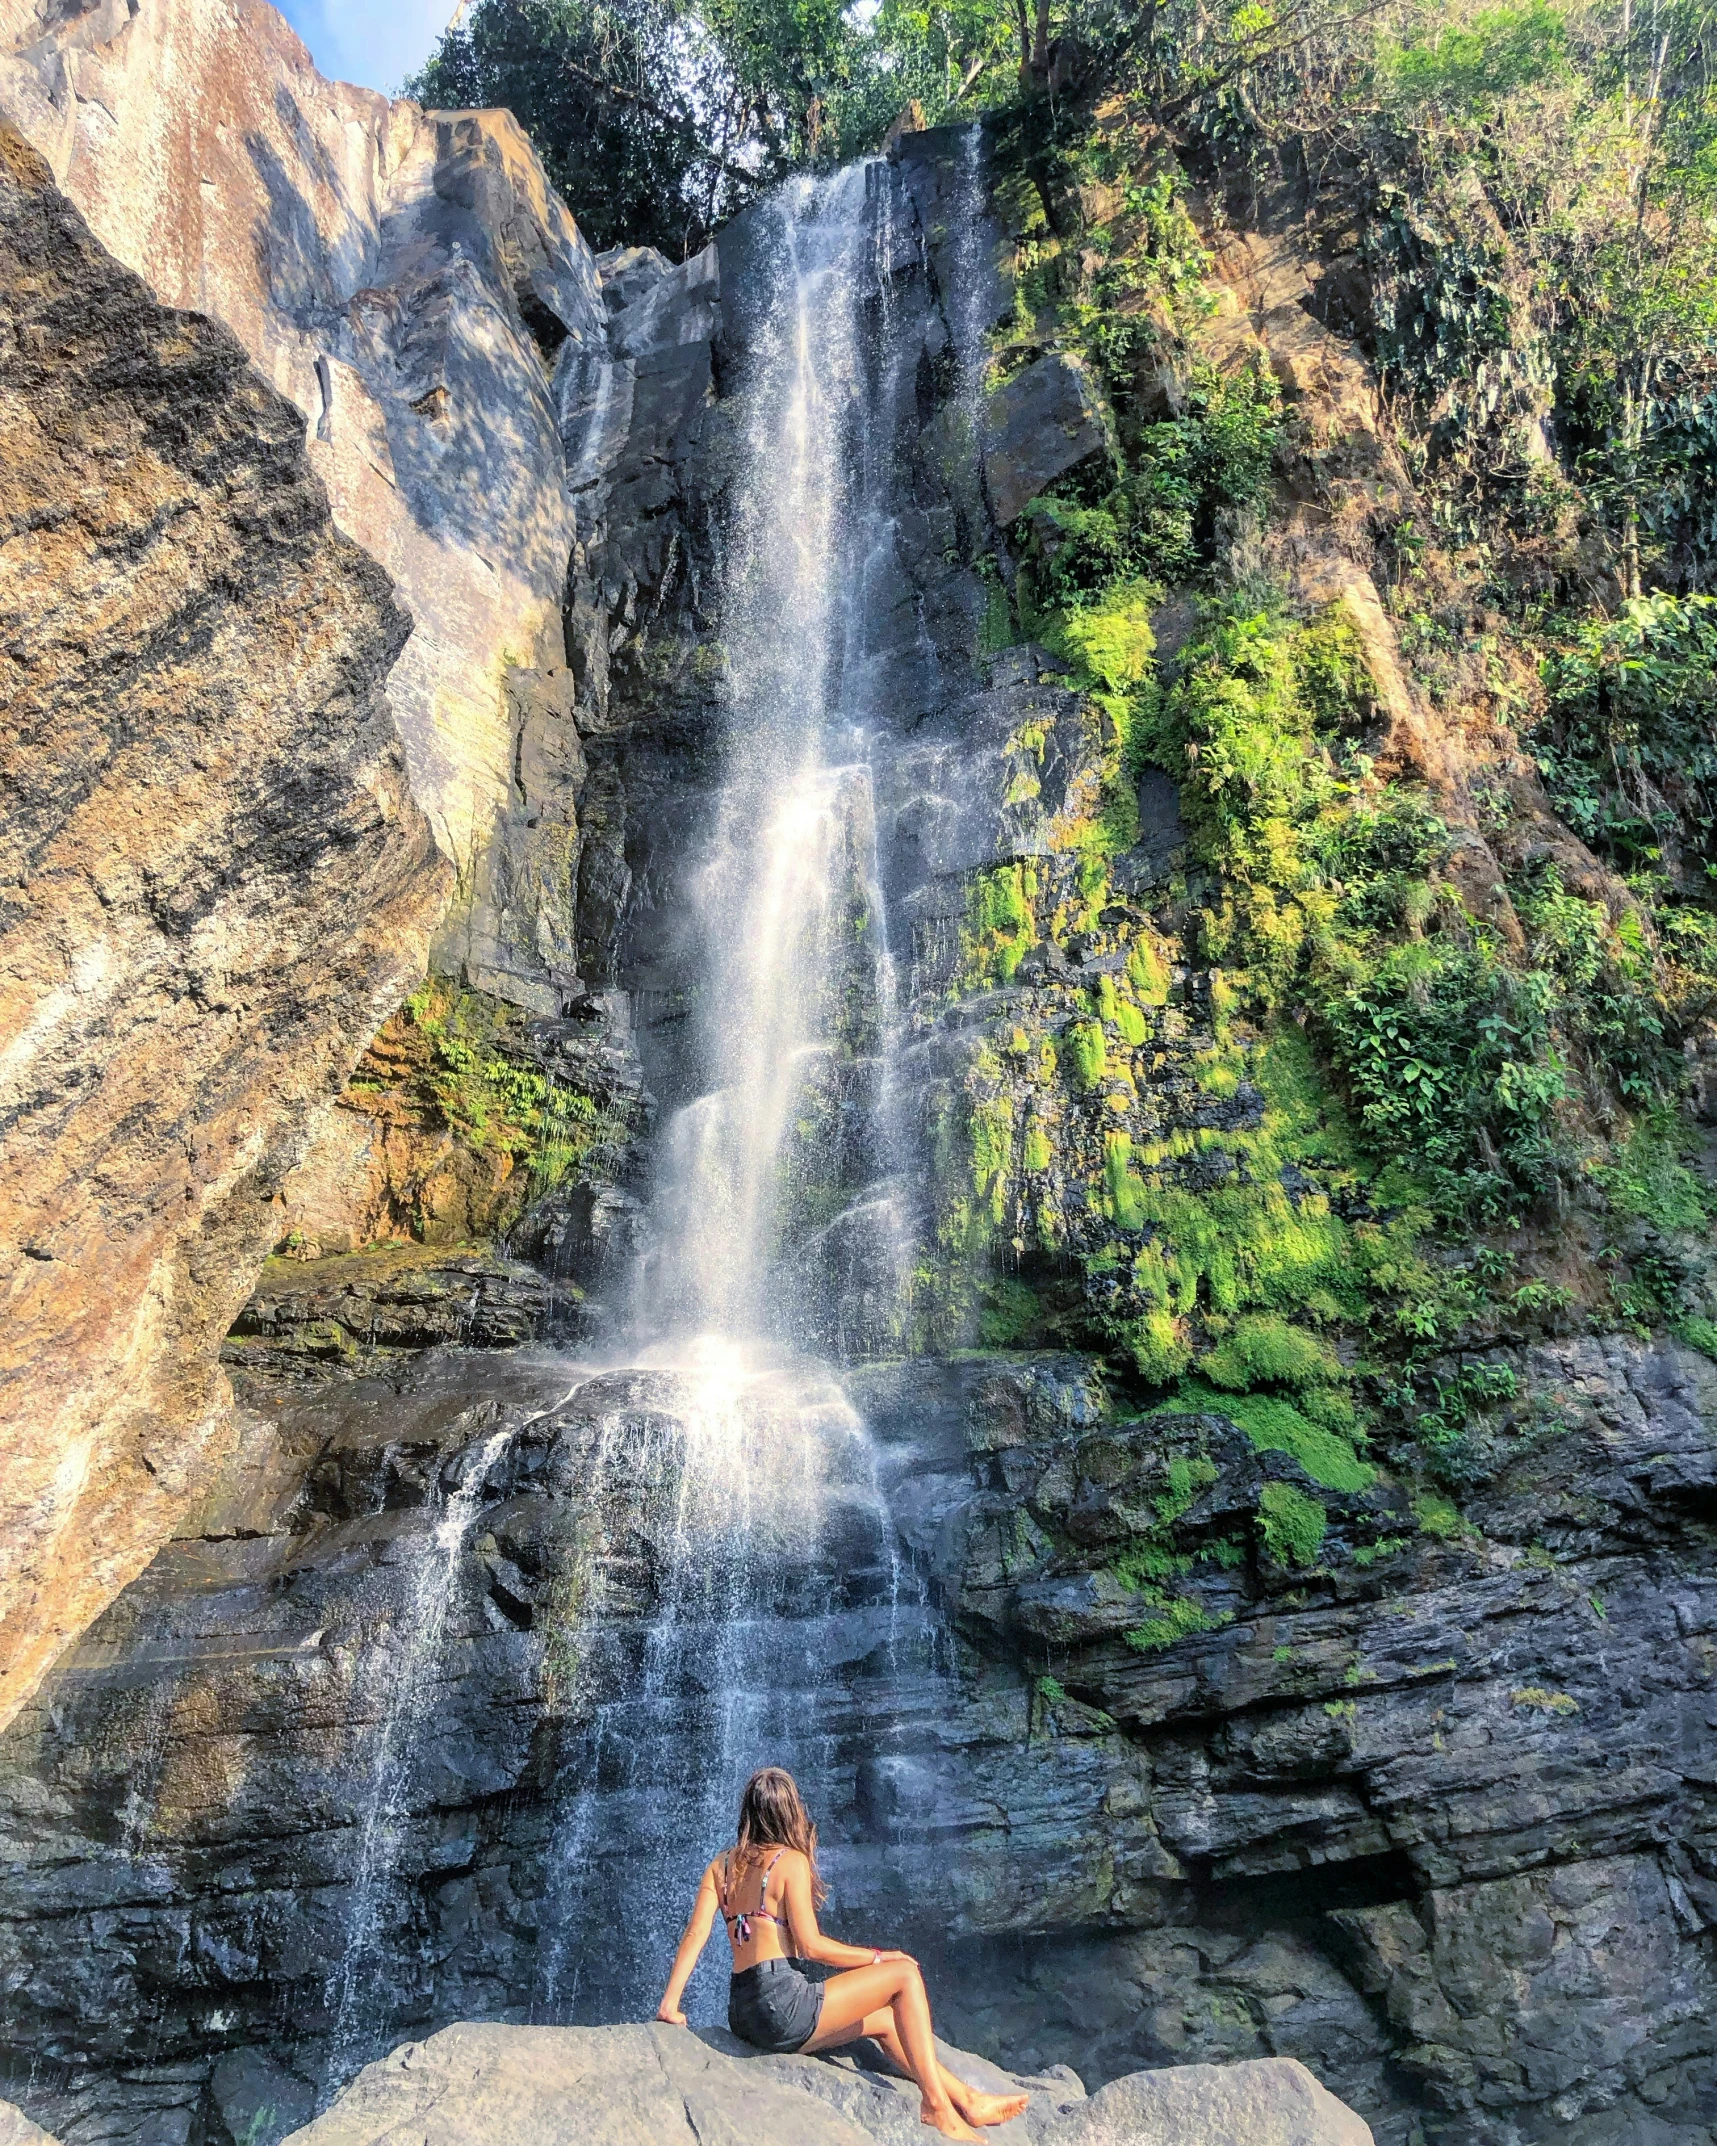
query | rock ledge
(613,2086)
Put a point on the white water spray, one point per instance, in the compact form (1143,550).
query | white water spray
(782,880)
(406,1673)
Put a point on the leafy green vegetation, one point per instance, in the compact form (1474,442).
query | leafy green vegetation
(1000,927)
(1292,1524)
(1175,1617)
(1266,1351)
(1627,746)
(1275,1425)
(463,1061)
(1188,479)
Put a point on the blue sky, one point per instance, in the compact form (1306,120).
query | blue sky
(375,42)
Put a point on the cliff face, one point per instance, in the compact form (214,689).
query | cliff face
(215,884)
(409,282)
(1278,1743)
(427,310)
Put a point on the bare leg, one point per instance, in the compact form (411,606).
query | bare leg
(895,1986)
(974,2105)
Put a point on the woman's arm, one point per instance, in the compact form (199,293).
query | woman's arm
(694,1941)
(809,1943)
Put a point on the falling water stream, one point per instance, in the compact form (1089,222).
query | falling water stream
(736,1594)
(777,1570)
(776,894)
(403,1674)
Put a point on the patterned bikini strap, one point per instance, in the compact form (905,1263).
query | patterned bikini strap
(743,1920)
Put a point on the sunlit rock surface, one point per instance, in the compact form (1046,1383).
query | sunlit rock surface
(411,284)
(214,884)
(608,2086)
(16,2129)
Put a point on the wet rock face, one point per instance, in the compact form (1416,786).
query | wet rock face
(388,1740)
(392,1735)
(1041,424)
(1465,1784)
(215,880)
(468,1123)
(362,1312)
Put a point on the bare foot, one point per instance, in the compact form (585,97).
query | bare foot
(948,2121)
(993,2108)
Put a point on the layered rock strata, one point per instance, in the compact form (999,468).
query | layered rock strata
(1433,1820)
(427,307)
(411,284)
(215,884)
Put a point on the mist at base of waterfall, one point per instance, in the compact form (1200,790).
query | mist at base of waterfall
(743,1602)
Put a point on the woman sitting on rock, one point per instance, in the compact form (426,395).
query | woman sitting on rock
(766,1888)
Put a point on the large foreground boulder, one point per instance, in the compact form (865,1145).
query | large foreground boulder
(625,2086)
(16,2129)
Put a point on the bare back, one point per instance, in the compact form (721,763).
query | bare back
(751,1886)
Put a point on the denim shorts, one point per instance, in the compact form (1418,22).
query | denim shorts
(775,2006)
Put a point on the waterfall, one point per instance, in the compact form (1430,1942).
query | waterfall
(404,1674)
(769,896)
(777,1563)
(781,1621)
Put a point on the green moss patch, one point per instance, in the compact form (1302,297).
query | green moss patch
(1292,1524)
(1275,1425)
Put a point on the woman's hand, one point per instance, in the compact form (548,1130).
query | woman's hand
(670,2016)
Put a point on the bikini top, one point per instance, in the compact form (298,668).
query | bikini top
(739,1920)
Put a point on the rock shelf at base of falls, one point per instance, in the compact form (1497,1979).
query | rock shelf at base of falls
(612,2086)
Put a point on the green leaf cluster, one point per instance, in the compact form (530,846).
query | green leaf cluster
(1188,477)
(1331,890)
(1292,1524)
(479,1081)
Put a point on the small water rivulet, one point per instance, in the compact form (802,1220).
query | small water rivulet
(400,1674)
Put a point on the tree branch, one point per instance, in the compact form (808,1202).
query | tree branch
(1256,55)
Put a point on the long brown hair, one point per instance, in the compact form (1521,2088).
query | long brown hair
(772,1814)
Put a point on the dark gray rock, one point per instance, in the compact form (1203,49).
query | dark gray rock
(260,2101)
(1039,425)
(355,1312)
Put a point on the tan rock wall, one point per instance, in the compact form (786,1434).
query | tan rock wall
(410,282)
(213,886)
